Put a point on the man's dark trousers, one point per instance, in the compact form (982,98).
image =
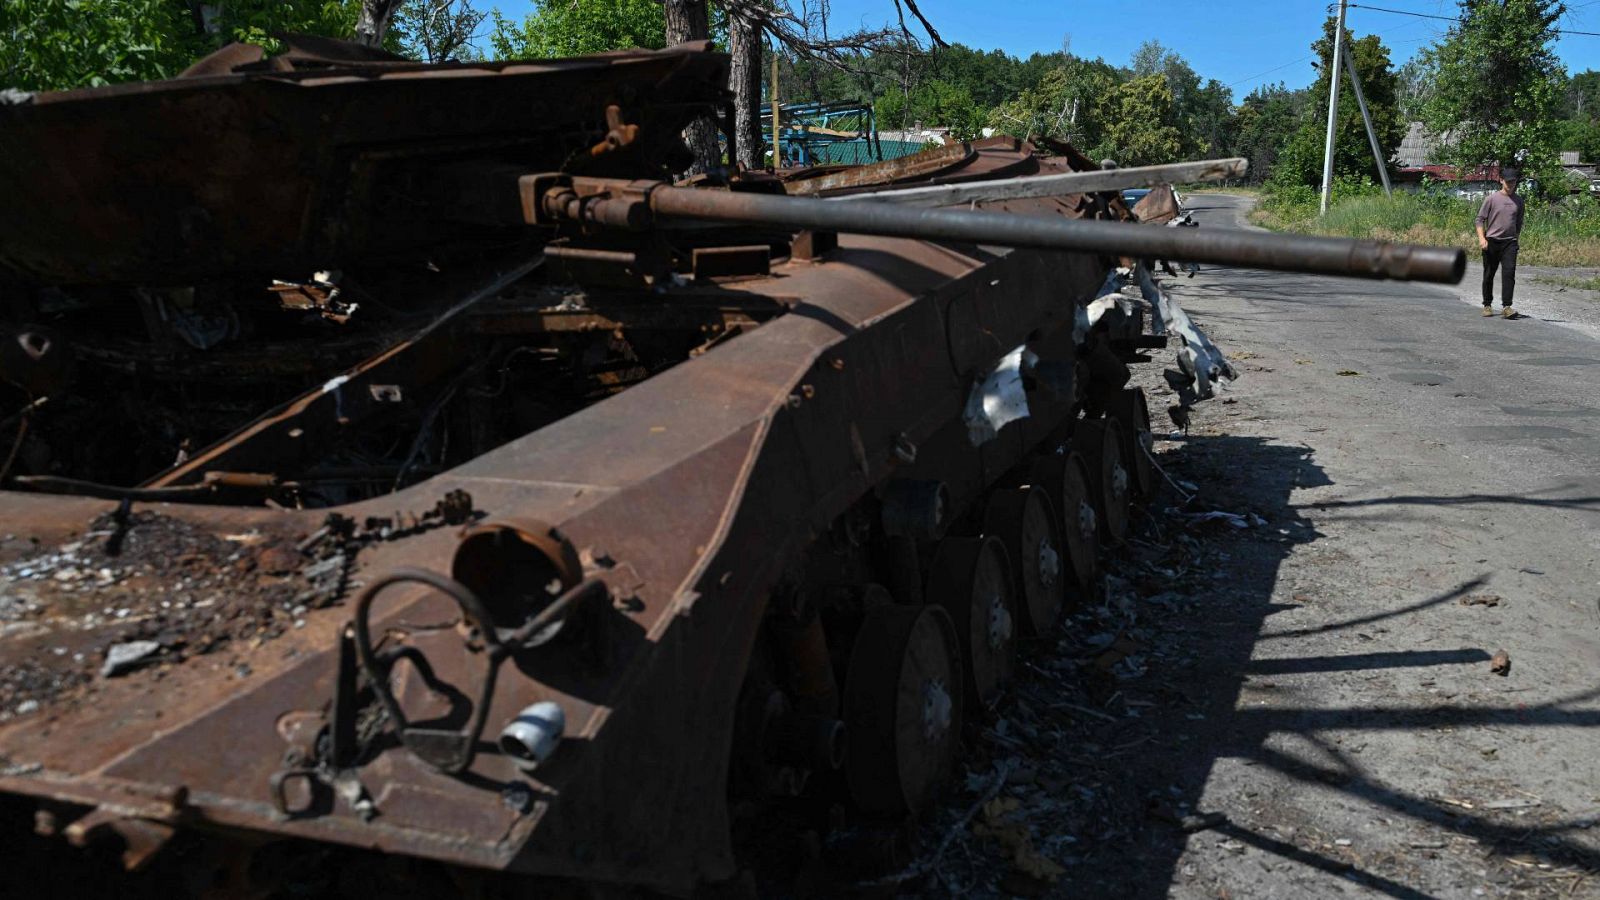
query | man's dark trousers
(1500,255)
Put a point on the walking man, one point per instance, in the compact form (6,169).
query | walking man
(1499,223)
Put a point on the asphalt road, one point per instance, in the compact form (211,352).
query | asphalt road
(1430,484)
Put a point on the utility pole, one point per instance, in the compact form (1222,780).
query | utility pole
(1366,119)
(1333,108)
(777,148)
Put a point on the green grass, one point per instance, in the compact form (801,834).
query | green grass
(1564,235)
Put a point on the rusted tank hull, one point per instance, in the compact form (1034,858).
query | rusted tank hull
(701,485)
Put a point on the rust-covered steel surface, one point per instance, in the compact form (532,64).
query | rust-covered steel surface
(283,170)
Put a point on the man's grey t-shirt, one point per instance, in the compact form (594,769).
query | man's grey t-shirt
(1501,216)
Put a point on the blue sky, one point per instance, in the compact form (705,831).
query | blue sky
(1241,43)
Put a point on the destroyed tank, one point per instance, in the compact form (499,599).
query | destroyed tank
(396,458)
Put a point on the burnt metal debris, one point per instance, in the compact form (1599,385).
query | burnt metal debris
(396,457)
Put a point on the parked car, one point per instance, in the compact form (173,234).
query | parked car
(1131,196)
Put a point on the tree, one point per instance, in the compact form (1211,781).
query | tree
(1581,99)
(744,46)
(988,78)
(1203,112)
(1582,135)
(372,23)
(1264,125)
(1300,162)
(932,103)
(1072,101)
(438,30)
(1498,86)
(1209,120)
(559,28)
(60,44)
(1143,128)
(690,20)
(1414,87)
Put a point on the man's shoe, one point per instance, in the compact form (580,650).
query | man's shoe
(1509,313)
(1488,311)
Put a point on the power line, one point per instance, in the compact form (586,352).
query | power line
(1273,69)
(1405,12)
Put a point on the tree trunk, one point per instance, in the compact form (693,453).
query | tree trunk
(373,23)
(687,20)
(744,43)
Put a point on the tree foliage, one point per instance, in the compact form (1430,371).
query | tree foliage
(1413,87)
(1498,85)
(561,28)
(1581,99)
(438,30)
(1142,129)
(62,44)
(1300,160)
(935,102)
(1264,124)
(1071,101)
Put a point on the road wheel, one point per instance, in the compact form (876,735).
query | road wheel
(1138,442)
(1066,482)
(1024,522)
(1080,532)
(902,708)
(1101,442)
(971,579)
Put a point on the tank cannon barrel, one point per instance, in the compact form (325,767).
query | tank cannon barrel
(553,198)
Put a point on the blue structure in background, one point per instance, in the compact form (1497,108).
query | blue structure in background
(821,133)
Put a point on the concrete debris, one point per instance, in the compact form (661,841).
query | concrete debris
(126,657)
(1501,663)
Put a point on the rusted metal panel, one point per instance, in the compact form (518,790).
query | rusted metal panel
(281,173)
(1158,206)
